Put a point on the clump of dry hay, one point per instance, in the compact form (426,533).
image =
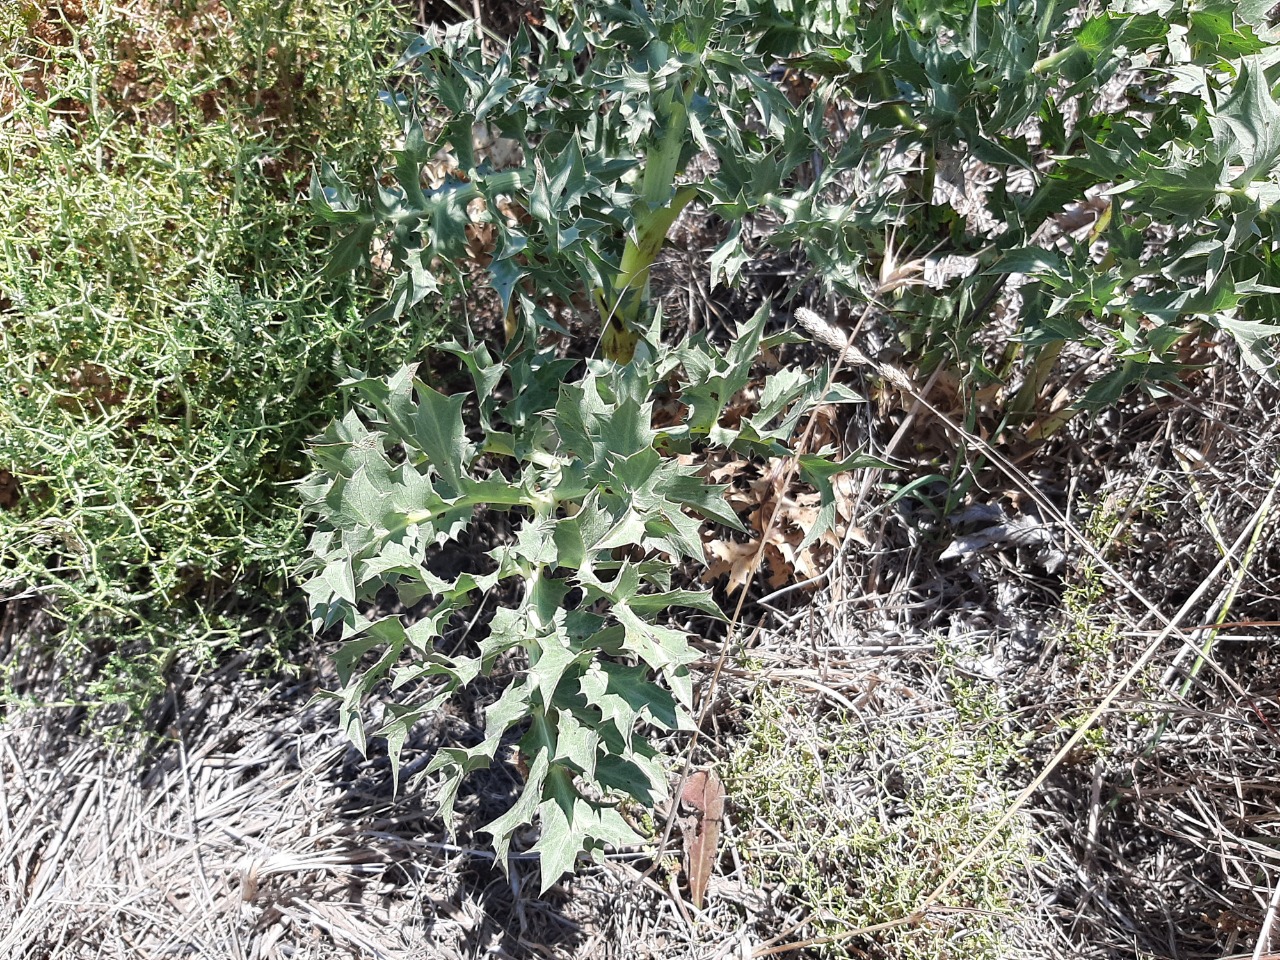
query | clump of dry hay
(229,839)
(252,829)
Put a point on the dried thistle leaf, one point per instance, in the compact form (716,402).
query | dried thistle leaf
(704,792)
(729,557)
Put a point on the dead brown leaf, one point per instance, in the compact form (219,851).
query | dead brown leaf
(704,793)
(780,514)
(728,471)
(826,428)
(733,559)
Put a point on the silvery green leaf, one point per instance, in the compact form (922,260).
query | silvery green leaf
(522,811)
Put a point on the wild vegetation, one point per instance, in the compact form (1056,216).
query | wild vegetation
(169,342)
(813,458)
(601,108)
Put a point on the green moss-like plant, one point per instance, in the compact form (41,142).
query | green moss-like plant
(871,817)
(167,340)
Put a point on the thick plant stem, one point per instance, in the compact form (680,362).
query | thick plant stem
(621,310)
(623,319)
(1050,63)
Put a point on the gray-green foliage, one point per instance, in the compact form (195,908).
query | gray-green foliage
(608,103)
(1182,143)
(1165,107)
(603,509)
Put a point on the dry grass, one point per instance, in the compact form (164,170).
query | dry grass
(251,829)
(1163,831)
(227,840)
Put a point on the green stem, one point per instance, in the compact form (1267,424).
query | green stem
(894,100)
(664,152)
(642,250)
(1054,60)
(622,308)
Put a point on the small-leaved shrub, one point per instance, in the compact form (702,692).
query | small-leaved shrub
(167,341)
(858,822)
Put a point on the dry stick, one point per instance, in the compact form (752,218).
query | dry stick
(6,834)
(818,941)
(1264,935)
(1223,606)
(709,692)
(1202,656)
(1139,665)
(41,889)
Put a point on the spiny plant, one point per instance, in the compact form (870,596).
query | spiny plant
(1159,113)
(607,104)
(603,508)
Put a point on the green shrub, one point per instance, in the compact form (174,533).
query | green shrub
(1153,120)
(167,341)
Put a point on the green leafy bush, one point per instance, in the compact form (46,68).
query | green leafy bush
(1156,113)
(166,341)
(602,509)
